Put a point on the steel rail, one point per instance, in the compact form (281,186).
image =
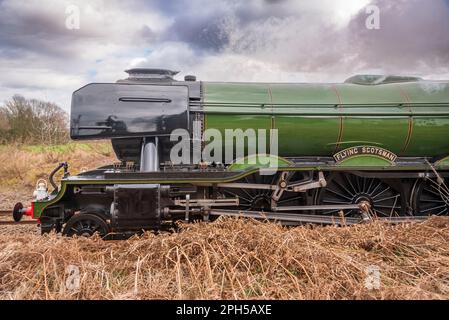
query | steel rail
(5,213)
(13,223)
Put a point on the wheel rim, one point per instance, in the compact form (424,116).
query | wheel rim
(430,198)
(17,212)
(260,200)
(86,227)
(351,189)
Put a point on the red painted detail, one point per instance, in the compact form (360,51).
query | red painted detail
(29,212)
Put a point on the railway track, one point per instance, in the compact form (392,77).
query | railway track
(5,213)
(249,214)
(8,213)
(13,223)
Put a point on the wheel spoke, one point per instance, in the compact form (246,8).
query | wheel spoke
(349,182)
(380,193)
(384,200)
(357,183)
(258,199)
(379,212)
(429,197)
(363,185)
(442,211)
(388,198)
(387,207)
(433,208)
(290,199)
(246,192)
(343,187)
(334,202)
(235,195)
(369,186)
(436,191)
(433,200)
(375,189)
(338,194)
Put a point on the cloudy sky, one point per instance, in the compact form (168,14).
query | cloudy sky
(43,53)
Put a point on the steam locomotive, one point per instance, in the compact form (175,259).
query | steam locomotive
(343,153)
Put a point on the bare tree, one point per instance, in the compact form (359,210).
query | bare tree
(4,126)
(33,121)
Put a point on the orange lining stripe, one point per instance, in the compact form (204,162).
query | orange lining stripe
(410,121)
(273,121)
(410,133)
(270,94)
(341,129)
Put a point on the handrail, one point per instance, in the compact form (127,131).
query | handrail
(52,174)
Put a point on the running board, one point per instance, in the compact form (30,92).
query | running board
(307,218)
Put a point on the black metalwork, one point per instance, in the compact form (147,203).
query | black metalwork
(17,212)
(345,188)
(430,198)
(113,110)
(64,165)
(86,225)
(136,207)
(260,200)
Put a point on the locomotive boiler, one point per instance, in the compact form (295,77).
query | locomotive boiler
(371,147)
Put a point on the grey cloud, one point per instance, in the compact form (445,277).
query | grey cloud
(412,34)
(413,38)
(147,33)
(27,31)
(24,30)
(200,33)
(203,25)
(219,40)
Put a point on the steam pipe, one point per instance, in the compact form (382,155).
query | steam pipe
(52,174)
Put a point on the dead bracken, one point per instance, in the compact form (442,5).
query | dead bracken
(233,259)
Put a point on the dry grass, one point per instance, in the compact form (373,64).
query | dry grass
(237,259)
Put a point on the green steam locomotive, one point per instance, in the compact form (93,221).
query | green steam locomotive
(371,147)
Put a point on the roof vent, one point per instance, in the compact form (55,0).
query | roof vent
(151,74)
(370,79)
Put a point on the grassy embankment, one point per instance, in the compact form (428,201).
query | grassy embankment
(230,258)
(22,165)
(235,259)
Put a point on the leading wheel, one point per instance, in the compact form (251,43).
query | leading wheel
(345,188)
(86,225)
